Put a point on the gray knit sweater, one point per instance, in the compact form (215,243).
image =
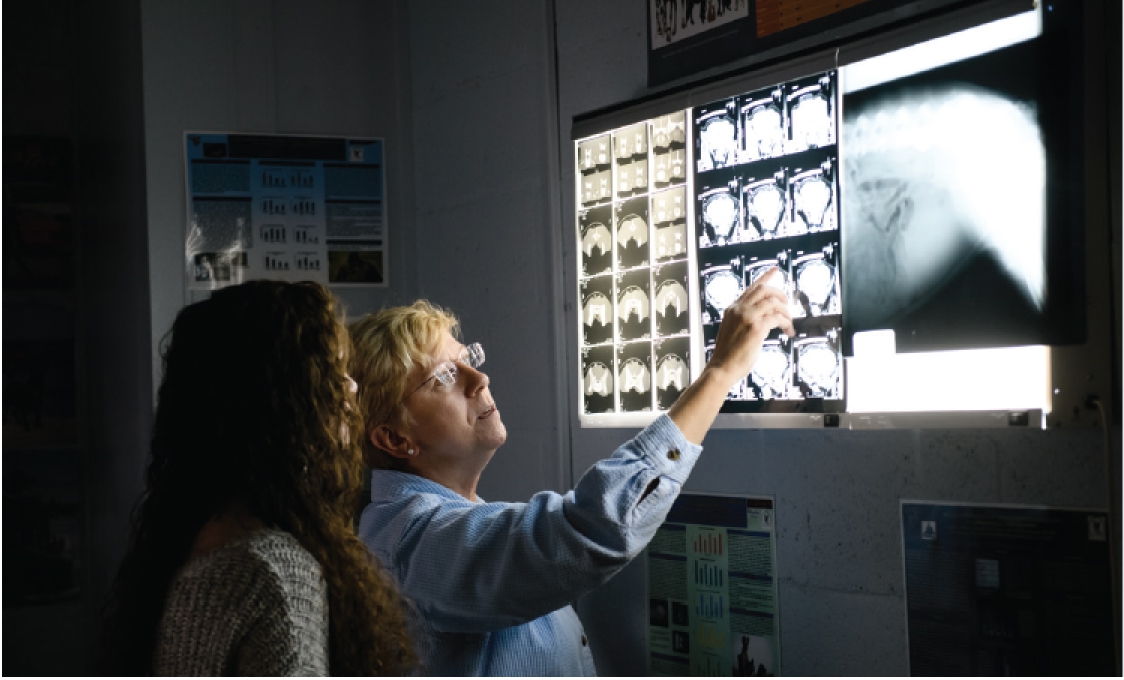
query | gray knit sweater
(256,606)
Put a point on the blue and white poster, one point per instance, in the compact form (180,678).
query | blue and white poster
(286,207)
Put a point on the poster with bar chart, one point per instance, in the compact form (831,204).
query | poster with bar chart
(712,594)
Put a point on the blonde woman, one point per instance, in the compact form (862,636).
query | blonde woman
(493,581)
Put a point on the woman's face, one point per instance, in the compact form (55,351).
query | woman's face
(455,422)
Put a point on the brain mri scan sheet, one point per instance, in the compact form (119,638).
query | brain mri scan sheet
(672,301)
(673,370)
(634,305)
(632,233)
(766,207)
(598,310)
(596,240)
(598,379)
(773,376)
(716,136)
(669,218)
(718,212)
(634,376)
(811,113)
(764,131)
(721,284)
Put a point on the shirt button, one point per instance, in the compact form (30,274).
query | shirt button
(673,454)
(584,641)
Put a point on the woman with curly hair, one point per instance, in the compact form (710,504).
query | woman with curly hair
(244,559)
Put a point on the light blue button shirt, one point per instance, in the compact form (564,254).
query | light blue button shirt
(494,581)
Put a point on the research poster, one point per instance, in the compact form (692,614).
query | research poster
(712,592)
(288,207)
(1007,590)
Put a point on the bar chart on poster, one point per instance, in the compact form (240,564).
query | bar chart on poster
(885,193)
(284,207)
(712,605)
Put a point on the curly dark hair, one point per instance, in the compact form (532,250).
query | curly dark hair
(250,412)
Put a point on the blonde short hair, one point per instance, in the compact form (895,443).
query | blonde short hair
(386,345)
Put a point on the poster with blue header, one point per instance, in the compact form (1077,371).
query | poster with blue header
(288,207)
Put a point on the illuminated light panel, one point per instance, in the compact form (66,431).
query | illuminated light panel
(941,51)
(998,379)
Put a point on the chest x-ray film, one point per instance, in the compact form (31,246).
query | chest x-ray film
(962,210)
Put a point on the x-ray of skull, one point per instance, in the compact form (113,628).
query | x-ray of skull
(716,136)
(634,376)
(673,371)
(672,299)
(763,125)
(817,283)
(811,113)
(819,366)
(721,285)
(632,233)
(596,240)
(598,380)
(766,207)
(813,198)
(634,305)
(772,375)
(597,310)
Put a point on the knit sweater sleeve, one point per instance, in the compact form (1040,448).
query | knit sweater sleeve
(257,606)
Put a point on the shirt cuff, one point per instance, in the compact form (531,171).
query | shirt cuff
(667,450)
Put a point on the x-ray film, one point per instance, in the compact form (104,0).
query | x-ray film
(960,184)
(599,379)
(595,155)
(816,280)
(819,366)
(671,299)
(597,310)
(596,187)
(764,131)
(595,227)
(634,308)
(765,204)
(634,376)
(632,233)
(813,197)
(718,212)
(716,136)
(669,218)
(772,376)
(673,370)
(811,113)
(721,284)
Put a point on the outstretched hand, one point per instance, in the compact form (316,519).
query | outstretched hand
(745,325)
(747,322)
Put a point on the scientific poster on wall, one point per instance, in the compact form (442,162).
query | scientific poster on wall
(285,207)
(712,592)
(1007,590)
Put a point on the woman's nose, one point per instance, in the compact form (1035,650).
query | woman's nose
(476,380)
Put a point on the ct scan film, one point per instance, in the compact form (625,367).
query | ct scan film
(634,276)
(766,197)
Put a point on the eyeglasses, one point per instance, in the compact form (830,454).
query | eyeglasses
(446,374)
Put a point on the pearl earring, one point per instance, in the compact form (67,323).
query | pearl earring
(411,452)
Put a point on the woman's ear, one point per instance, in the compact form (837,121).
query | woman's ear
(392,441)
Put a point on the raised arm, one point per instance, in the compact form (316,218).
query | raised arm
(745,325)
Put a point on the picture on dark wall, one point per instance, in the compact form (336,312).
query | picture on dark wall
(634,376)
(671,299)
(632,233)
(962,201)
(673,370)
(634,307)
(598,381)
(597,240)
(597,310)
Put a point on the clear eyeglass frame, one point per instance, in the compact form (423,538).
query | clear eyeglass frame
(446,373)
